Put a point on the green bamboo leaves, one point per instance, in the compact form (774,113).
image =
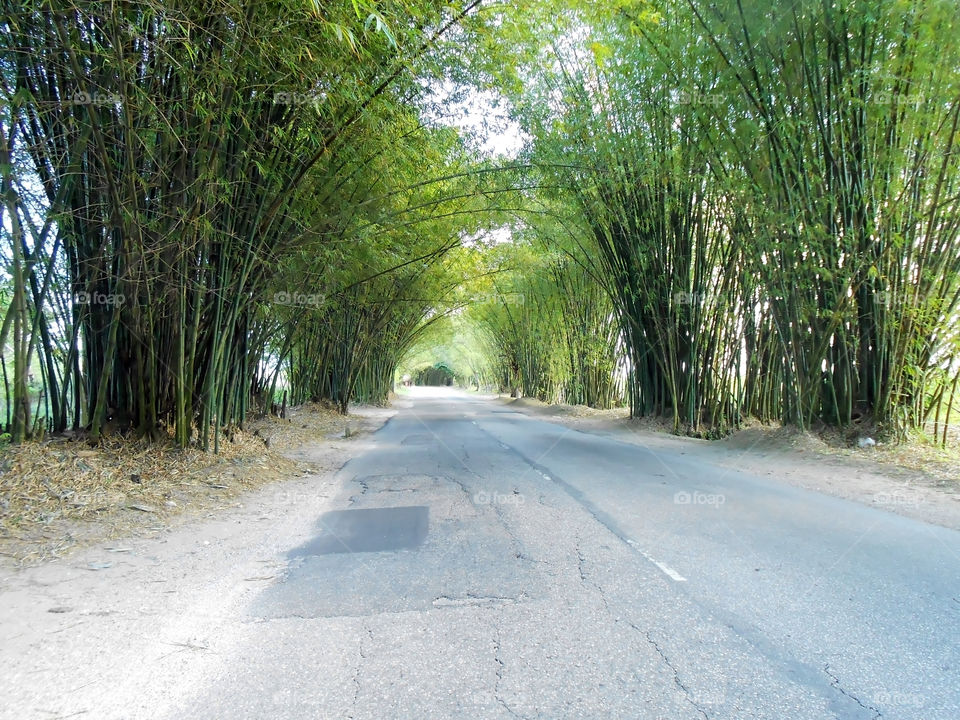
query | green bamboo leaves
(770,196)
(727,209)
(178,157)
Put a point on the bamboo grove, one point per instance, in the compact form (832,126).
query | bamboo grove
(721,210)
(550,330)
(768,195)
(195,194)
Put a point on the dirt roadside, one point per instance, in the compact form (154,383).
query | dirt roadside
(920,483)
(60,495)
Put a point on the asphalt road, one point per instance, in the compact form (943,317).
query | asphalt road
(475,563)
(484,564)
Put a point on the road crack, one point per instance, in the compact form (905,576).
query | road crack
(676,675)
(471,600)
(584,579)
(499,671)
(364,487)
(580,561)
(835,682)
(356,675)
(497,511)
(526,558)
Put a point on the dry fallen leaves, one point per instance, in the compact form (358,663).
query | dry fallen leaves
(53,493)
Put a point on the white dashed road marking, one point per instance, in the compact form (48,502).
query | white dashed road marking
(666,569)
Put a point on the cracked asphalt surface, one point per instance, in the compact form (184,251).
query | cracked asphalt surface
(474,562)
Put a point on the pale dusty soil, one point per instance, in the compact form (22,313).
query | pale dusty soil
(911,479)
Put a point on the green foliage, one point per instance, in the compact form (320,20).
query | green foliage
(548,326)
(189,156)
(771,197)
(726,209)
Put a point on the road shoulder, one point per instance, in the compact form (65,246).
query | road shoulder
(62,495)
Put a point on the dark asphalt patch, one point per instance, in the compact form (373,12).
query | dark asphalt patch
(368,530)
